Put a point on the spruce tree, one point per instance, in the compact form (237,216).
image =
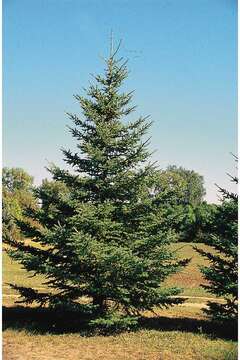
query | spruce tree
(101,237)
(222,274)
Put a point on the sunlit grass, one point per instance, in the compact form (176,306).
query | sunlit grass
(143,344)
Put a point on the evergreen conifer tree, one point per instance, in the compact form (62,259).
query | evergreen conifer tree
(222,274)
(101,236)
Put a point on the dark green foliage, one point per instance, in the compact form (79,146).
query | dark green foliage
(194,222)
(113,322)
(100,237)
(180,193)
(222,274)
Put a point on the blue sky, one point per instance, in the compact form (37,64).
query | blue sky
(182,61)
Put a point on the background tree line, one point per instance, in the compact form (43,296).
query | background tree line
(180,193)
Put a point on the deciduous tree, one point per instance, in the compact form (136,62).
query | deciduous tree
(17,194)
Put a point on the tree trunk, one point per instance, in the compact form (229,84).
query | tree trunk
(100,302)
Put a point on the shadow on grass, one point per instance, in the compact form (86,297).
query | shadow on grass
(206,327)
(47,321)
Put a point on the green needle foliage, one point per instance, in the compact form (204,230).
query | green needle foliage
(101,238)
(222,274)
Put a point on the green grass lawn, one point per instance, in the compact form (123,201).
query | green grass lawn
(181,332)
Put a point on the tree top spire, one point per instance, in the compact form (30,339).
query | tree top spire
(111,43)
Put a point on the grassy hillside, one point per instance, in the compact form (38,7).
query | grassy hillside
(189,278)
